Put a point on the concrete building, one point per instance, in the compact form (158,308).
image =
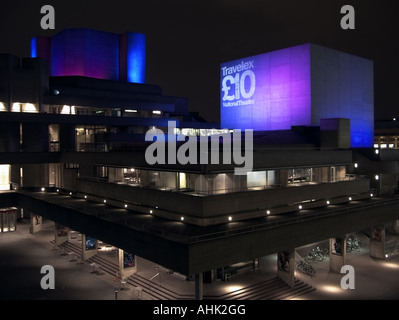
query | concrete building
(74,150)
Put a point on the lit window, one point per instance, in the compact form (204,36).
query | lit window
(2,107)
(16,107)
(157,112)
(29,108)
(5,177)
(68,110)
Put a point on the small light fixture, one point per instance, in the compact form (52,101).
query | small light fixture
(105,201)
(377,151)
(125,205)
(371,195)
(230,218)
(42,189)
(151,211)
(58,190)
(300,207)
(356,165)
(328,201)
(182,218)
(70,193)
(268,212)
(377,177)
(85,197)
(350,198)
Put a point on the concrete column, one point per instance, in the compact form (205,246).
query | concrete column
(67,137)
(35,175)
(283,177)
(88,250)
(286,266)
(199,286)
(35,222)
(395,227)
(61,233)
(377,242)
(127,263)
(9,137)
(35,137)
(337,253)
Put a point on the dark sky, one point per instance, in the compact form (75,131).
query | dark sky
(188,39)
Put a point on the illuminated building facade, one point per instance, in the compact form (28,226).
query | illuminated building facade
(94,54)
(299,86)
(74,117)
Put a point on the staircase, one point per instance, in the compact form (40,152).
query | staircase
(272,289)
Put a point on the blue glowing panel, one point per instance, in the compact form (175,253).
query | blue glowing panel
(33,47)
(342,87)
(270,91)
(135,63)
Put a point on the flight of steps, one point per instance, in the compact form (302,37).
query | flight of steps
(272,289)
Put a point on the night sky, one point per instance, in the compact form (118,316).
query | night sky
(188,39)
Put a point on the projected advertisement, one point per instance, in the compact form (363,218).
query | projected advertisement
(298,86)
(270,91)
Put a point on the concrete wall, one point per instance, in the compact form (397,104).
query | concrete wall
(35,175)
(343,87)
(214,209)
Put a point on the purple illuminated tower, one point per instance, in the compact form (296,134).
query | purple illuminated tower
(299,86)
(95,54)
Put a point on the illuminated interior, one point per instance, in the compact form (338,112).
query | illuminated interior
(24,107)
(4,177)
